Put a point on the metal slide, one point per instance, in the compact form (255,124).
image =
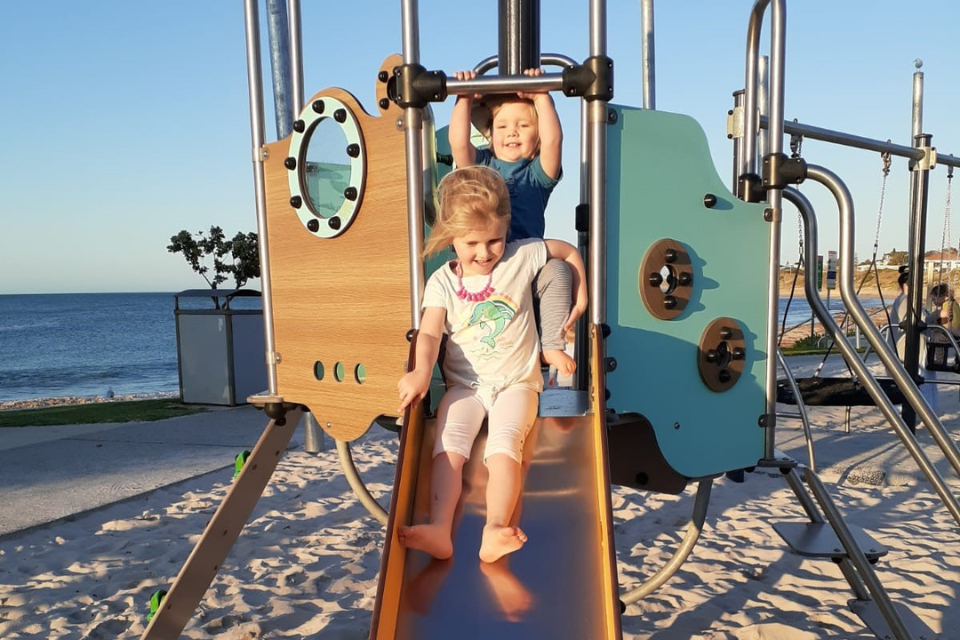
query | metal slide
(561,584)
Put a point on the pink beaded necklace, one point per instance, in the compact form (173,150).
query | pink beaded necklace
(470,296)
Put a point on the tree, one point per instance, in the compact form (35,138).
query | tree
(238,257)
(895,258)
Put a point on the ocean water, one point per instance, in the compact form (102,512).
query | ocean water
(799,310)
(59,345)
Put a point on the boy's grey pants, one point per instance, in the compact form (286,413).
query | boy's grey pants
(552,299)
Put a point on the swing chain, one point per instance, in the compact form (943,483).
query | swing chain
(883,191)
(796,145)
(947,233)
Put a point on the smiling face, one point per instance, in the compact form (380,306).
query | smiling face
(516,133)
(480,249)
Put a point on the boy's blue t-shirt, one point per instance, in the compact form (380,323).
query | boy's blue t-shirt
(530,188)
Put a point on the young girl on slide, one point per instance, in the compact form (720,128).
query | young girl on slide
(483,302)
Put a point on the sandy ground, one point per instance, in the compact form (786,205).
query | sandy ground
(307,563)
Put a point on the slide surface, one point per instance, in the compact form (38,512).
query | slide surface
(561,584)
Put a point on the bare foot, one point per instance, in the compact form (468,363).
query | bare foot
(512,597)
(498,541)
(431,538)
(561,360)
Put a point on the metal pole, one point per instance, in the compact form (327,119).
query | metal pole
(763,97)
(916,119)
(582,344)
(255,82)
(917,234)
(412,123)
(597,117)
(278,37)
(519,32)
(296,57)
(919,181)
(774,196)
(313,441)
(648,55)
(736,132)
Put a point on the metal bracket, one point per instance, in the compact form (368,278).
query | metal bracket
(779,170)
(417,87)
(735,123)
(593,80)
(927,162)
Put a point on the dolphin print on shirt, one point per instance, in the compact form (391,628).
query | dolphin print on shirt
(492,315)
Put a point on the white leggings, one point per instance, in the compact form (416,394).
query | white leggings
(512,412)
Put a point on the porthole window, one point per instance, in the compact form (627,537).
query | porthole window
(326,168)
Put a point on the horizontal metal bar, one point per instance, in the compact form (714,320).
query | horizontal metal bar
(506,84)
(948,160)
(847,139)
(554,59)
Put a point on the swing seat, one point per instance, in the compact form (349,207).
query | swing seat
(942,357)
(835,392)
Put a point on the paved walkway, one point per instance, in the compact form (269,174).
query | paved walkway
(50,473)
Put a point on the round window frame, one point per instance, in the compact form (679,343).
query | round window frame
(300,142)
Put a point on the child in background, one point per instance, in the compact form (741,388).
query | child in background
(483,301)
(945,309)
(525,148)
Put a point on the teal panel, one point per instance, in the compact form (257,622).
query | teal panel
(659,170)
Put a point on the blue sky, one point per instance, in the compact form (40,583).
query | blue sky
(125,122)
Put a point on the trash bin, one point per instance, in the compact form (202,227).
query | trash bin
(220,345)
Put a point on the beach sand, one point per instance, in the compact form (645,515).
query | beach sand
(307,562)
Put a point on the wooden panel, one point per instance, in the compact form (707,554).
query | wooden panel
(344,299)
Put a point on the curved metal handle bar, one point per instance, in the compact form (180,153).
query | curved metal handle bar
(856,364)
(886,354)
(683,551)
(801,407)
(555,59)
(356,483)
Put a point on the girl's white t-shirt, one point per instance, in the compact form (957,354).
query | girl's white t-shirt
(492,342)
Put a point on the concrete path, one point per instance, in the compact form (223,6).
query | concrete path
(50,473)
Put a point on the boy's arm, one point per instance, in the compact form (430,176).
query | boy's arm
(414,385)
(550,129)
(551,135)
(458,133)
(569,254)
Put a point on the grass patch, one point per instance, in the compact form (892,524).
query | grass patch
(96,413)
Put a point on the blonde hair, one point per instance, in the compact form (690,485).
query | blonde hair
(469,197)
